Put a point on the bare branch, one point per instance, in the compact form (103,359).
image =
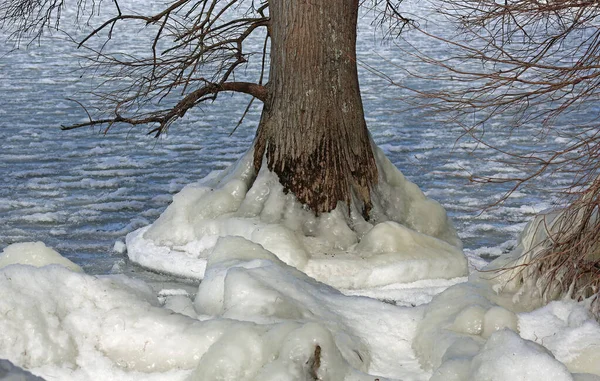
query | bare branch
(167,117)
(192,44)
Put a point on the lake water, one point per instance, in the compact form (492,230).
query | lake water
(81,191)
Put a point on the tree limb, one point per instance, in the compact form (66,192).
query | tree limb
(166,118)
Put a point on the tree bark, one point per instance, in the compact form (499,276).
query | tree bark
(312,128)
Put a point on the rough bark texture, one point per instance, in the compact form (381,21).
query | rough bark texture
(312,127)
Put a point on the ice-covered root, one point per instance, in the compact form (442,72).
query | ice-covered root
(456,324)
(243,281)
(229,288)
(397,199)
(34,254)
(389,253)
(339,248)
(290,351)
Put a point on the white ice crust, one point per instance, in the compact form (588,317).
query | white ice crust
(408,237)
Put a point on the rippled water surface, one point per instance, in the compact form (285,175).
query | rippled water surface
(81,191)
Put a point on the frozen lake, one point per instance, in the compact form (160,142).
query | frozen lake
(81,191)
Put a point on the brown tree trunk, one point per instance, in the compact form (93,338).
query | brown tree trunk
(312,128)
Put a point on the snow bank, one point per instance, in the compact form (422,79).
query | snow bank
(408,238)
(254,318)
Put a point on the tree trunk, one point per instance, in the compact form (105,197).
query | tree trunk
(312,127)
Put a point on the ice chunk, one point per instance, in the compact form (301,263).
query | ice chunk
(181,304)
(34,254)
(470,320)
(450,317)
(119,247)
(238,354)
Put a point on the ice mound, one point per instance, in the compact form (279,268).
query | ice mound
(527,361)
(408,238)
(482,330)
(245,282)
(34,254)
(254,318)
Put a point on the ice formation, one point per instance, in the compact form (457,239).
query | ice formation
(408,237)
(465,335)
(269,305)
